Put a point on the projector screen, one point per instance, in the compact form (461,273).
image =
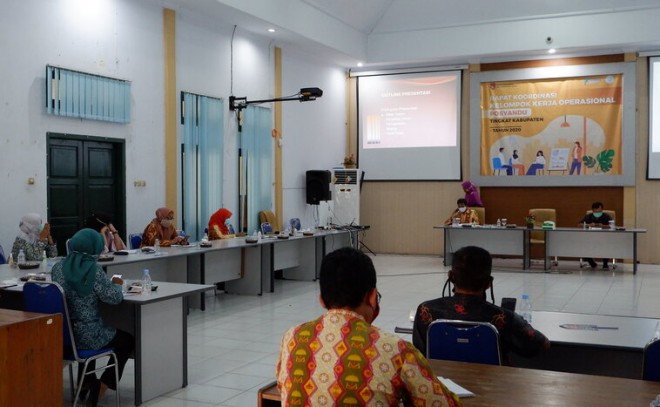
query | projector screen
(654,118)
(409,126)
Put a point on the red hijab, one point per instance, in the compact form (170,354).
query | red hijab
(219,218)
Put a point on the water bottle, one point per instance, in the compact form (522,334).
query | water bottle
(157,246)
(146,282)
(21,257)
(44,261)
(499,223)
(526,308)
(655,402)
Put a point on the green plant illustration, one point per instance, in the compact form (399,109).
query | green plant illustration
(602,162)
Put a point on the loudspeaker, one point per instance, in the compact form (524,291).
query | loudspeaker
(318,186)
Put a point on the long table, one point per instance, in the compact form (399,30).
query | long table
(585,343)
(502,386)
(497,240)
(559,242)
(158,323)
(605,243)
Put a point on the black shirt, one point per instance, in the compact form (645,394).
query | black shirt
(516,334)
(590,218)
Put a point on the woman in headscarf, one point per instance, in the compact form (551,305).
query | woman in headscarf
(85,284)
(218,228)
(162,227)
(34,238)
(102,223)
(471,194)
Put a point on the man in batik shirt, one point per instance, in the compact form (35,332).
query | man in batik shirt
(470,274)
(341,359)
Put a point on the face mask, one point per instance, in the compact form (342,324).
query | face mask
(165,223)
(597,214)
(41,227)
(462,209)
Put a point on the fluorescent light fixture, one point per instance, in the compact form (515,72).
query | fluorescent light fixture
(271,30)
(552,51)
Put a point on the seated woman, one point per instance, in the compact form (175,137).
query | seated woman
(218,228)
(85,285)
(162,228)
(462,212)
(34,239)
(102,223)
(538,164)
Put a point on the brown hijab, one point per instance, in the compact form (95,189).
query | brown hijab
(164,232)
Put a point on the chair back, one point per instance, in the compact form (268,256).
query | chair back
(497,163)
(651,361)
(481,213)
(135,240)
(541,215)
(266,228)
(268,216)
(610,213)
(49,298)
(68,246)
(294,223)
(463,341)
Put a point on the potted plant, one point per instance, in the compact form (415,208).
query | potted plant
(529,220)
(349,161)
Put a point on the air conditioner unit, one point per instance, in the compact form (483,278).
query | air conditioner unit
(346,196)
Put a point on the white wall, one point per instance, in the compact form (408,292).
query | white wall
(314,133)
(123,39)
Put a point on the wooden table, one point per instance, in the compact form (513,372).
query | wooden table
(496,386)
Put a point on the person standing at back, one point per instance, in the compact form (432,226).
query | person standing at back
(597,218)
(472,197)
(341,359)
(471,276)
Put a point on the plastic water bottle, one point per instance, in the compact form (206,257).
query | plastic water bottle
(526,308)
(157,246)
(655,402)
(21,257)
(499,223)
(146,282)
(44,261)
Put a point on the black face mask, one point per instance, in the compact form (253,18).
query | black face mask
(447,289)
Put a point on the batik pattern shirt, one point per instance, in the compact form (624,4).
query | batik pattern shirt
(341,360)
(469,216)
(88,327)
(33,251)
(515,333)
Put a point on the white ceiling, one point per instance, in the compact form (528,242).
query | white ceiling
(399,32)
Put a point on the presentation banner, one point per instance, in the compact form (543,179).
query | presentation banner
(558,127)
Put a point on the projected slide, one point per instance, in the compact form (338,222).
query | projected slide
(409,126)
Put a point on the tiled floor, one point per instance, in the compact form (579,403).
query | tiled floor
(233,345)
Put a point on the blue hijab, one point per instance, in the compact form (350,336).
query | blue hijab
(79,266)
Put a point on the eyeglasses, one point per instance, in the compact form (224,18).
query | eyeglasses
(378,296)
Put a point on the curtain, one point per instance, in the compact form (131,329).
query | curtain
(202,152)
(256,166)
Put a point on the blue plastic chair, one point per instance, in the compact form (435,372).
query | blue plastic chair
(294,223)
(266,228)
(49,298)
(497,165)
(651,361)
(135,240)
(463,341)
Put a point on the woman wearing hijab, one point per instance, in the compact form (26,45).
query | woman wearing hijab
(218,228)
(162,227)
(34,238)
(102,223)
(471,194)
(85,284)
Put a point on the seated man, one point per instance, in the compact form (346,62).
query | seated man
(471,277)
(341,359)
(597,218)
(465,214)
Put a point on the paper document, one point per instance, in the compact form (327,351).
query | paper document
(455,388)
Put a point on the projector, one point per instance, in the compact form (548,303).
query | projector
(310,94)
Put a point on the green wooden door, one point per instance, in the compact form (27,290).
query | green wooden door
(85,174)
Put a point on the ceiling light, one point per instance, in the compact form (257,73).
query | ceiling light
(359,64)
(552,51)
(271,30)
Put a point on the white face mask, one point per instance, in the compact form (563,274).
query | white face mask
(165,223)
(462,209)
